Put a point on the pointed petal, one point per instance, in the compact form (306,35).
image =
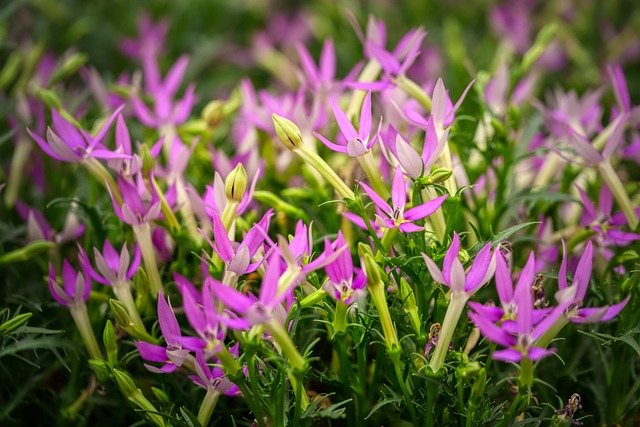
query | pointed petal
(377,200)
(504,285)
(346,128)
(398,190)
(451,255)
(425,209)
(365,119)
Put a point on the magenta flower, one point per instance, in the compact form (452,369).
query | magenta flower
(39,229)
(112,267)
(165,111)
(175,352)
(238,257)
(138,207)
(341,283)
(68,144)
(320,79)
(357,142)
(76,286)
(519,338)
(396,216)
(150,41)
(573,296)
(213,378)
(453,274)
(508,312)
(260,310)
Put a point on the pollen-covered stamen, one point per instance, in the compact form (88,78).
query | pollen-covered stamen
(572,310)
(538,292)
(510,311)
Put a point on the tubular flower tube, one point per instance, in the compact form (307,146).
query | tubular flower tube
(463,286)
(74,296)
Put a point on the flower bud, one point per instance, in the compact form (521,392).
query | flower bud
(236,183)
(120,313)
(110,343)
(440,175)
(13,324)
(26,252)
(373,271)
(68,67)
(148,162)
(363,249)
(288,132)
(213,113)
(477,389)
(10,69)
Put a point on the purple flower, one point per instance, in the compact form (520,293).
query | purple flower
(68,144)
(112,267)
(138,206)
(166,111)
(76,286)
(321,78)
(260,310)
(341,284)
(573,296)
(238,259)
(357,142)
(504,285)
(453,274)
(150,41)
(39,229)
(396,215)
(213,378)
(175,352)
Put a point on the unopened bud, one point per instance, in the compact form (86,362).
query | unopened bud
(126,384)
(364,249)
(236,183)
(213,113)
(26,252)
(10,69)
(14,323)
(110,343)
(100,367)
(373,271)
(148,162)
(288,132)
(49,98)
(463,256)
(68,67)
(120,313)
(440,175)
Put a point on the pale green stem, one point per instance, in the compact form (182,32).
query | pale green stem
(287,279)
(313,299)
(143,234)
(16,172)
(104,177)
(368,165)
(296,363)
(378,295)
(207,406)
(414,90)
(340,317)
(122,291)
(619,193)
(551,333)
(526,373)
(228,217)
(81,319)
(437,218)
(388,236)
(446,162)
(325,170)
(550,167)
(454,311)
(369,73)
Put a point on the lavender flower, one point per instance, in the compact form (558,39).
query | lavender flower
(396,215)
(341,283)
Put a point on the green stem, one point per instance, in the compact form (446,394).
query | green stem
(104,177)
(81,319)
(325,170)
(143,234)
(378,295)
(368,165)
(18,161)
(368,74)
(297,363)
(122,291)
(454,311)
(340,318)
(394,353)
(526,373)
(619,193)
(414,90)
(207,406)
(437,218)
(551,333)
